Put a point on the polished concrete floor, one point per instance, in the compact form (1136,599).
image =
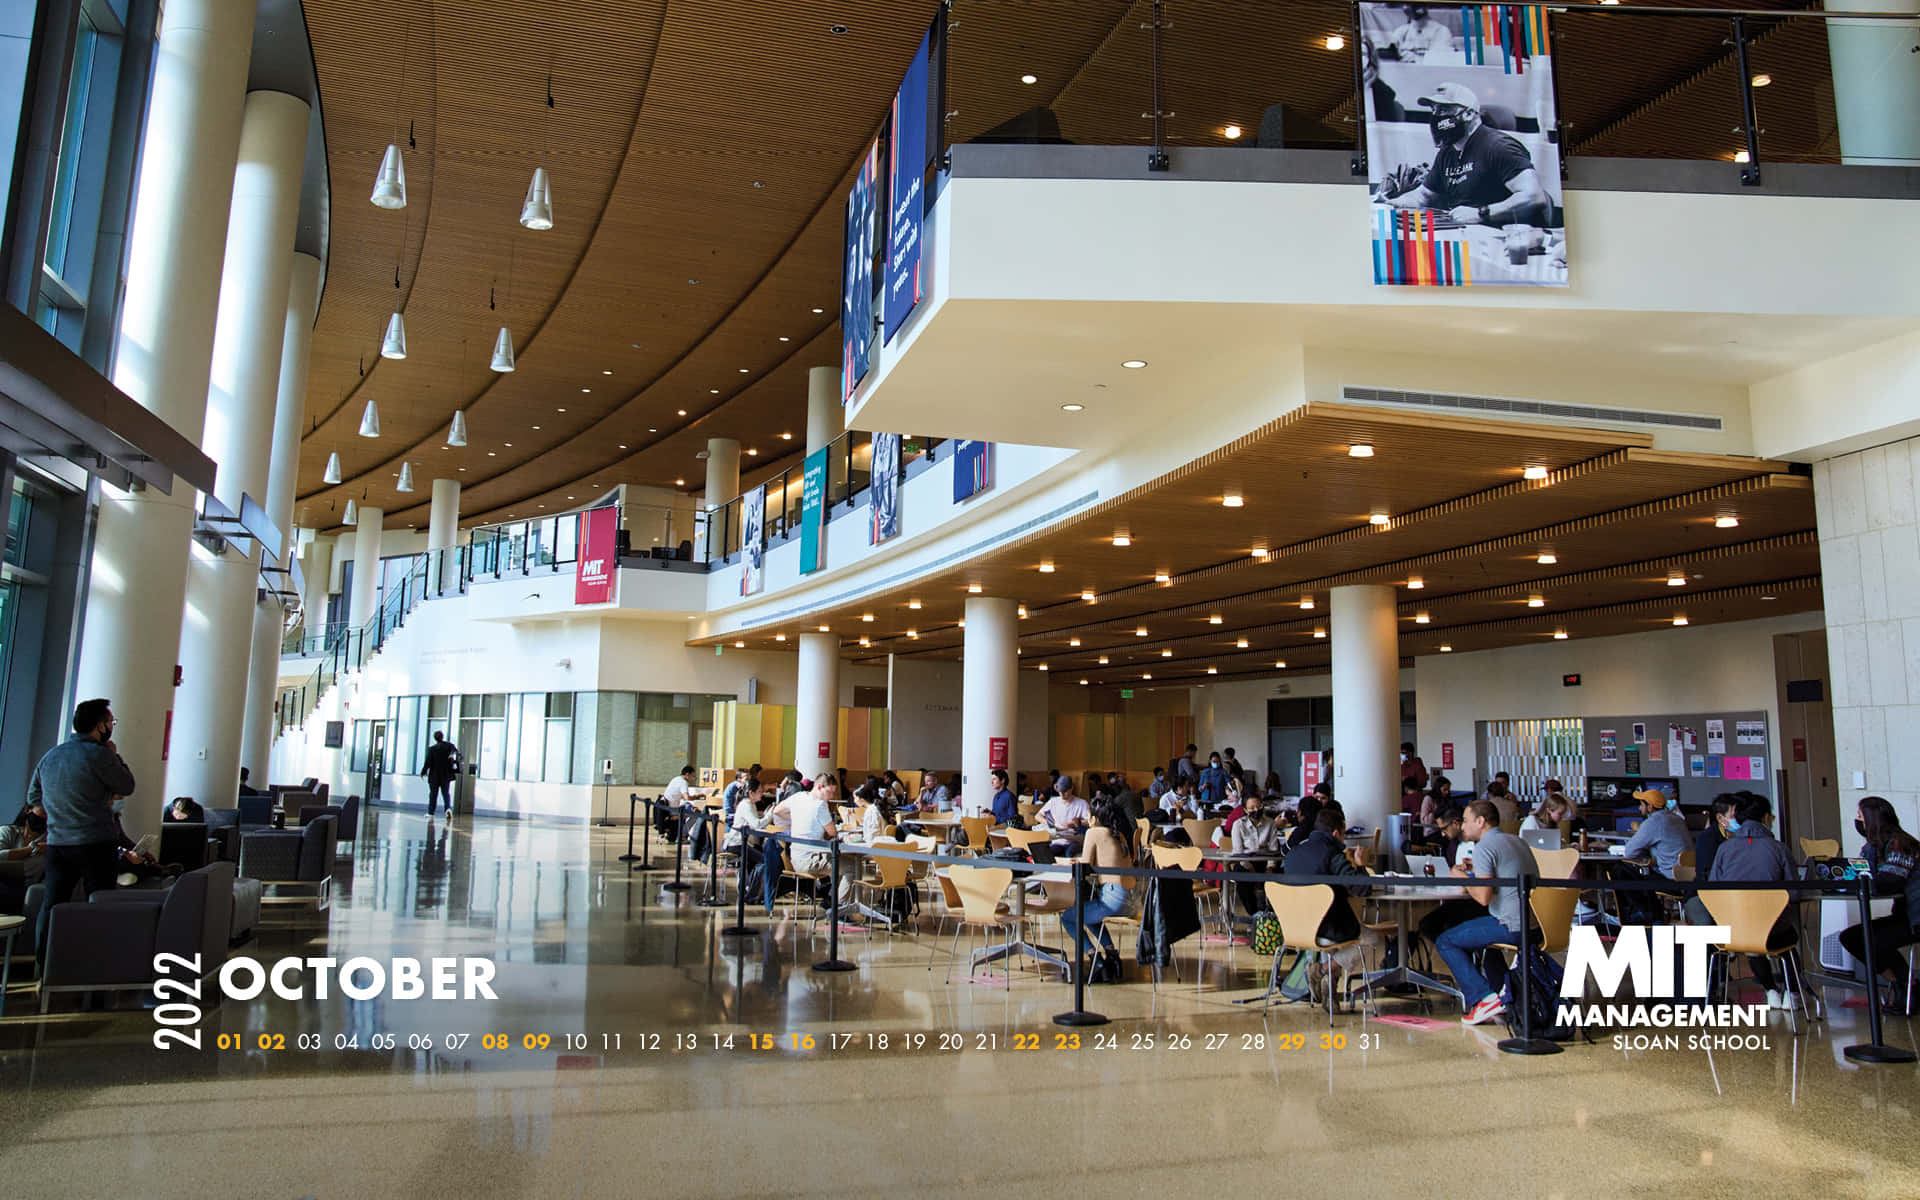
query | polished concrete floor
(1226,1099)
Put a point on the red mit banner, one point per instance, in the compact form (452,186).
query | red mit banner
(593,571)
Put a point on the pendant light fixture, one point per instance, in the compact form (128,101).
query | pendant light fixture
(352,516)
(394,345)
(503,352)
(390,187)
(537,211)
(457,436)
(332,473)
(406,477)
(370,421)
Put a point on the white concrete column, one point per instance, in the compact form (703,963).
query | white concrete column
(316,564)
(723,471)
(283,468)
(217,629)
(1876,84)
(1366,703)
(366,566)
(989,694)
(136,586)
(443,515)
(816,705)
(826,417)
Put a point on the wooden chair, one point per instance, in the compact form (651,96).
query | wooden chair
(1190,858)
(1749,917)
(1512,827)
(1026,839)
(979,890)
(978,843)
(1199,832)
(996,839)
(1028,810)
(890,875)
(800,877)
(1819,847)
(1300,908)
(1557,864)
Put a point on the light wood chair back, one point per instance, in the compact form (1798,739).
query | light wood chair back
(980,890)
(1512,827)
(1557,864)
(977,829)
(1553,909)
(1178,858)
(1201,832)
(949,893)
(1819,847)
(924,843)
(1300,908)
(1024,838)
(1748,916)
(998,839)
(1028,810)
(1059,897)
(893,871)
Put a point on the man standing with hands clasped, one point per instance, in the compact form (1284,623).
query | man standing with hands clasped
(77,783)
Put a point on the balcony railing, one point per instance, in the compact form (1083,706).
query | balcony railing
(849,475)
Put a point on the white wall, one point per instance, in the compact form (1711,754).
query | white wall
(1846,403)
(1699,668)
(1235,713)
(924,700)
(652,656)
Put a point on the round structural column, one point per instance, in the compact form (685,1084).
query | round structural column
(723,471)
(1366,703)
(443,516)
(826,417)
(816,711)
(1876,84)
(136,584)
(316,564)
(217,633)
(989,695)
(289,412)
(366,566)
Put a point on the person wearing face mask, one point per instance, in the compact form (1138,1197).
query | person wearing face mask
(1411,767)
(1720,827)
(1751,854)
(1480,176)
(1894,857)
(76,784)
(1213,781)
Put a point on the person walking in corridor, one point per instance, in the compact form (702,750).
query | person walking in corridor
(441,768)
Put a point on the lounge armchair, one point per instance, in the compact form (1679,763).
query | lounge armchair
(108,943)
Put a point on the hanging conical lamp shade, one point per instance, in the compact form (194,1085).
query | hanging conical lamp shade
(332,474)
(394,345)
(353,513)
(406,477)
(503,351)
(370,421)
(457,436)
(537,212)
(390,189)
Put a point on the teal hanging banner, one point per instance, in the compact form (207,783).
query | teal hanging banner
(813,495)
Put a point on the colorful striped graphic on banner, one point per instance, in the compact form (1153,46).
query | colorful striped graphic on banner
(1410,248)
(1512,33)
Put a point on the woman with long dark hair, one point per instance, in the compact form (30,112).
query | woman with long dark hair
(1894,857)
(1109,844)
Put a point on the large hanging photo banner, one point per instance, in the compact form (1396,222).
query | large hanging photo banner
(886,488)
(813,496)
(593,571)
(856,274)
(753,550)
(907,158)
(1462,150)
(972,469)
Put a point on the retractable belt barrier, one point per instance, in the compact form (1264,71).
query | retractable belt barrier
(1875,1051)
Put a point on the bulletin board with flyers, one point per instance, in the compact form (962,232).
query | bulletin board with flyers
(1703,753)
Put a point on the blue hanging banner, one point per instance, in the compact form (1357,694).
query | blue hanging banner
(972,469)
(907,197)
(856,277)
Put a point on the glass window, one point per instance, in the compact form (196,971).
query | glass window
(559,757)
(362,745)
(586,765)
(529,754)
(493,748)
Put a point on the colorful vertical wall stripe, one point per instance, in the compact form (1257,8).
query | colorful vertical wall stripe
(1405,251)
(1508,34)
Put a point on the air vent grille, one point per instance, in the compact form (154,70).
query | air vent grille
(1529,409)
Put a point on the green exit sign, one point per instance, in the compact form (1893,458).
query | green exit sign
(1126,693)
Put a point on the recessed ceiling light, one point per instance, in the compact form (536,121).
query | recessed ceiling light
(736,645)
(1725,522)
(1320,633)
(1769,597)
(1029,79)
(1210,671)
(1415,583)
(1360,450)
(1162,577)
(745,371)
(1536,601)
(1072,407)
(1379,519)
(1134,364)
(536,427)
(786,437)
(1258,552)
(1146,675)
(1043,666)
(1103,660)
(1231,132)
(1241,644)
(679,483)
(1740,156)
(1140,632)
(1679,619)
(824,629)
(1232,500)
(606,372)
(1547,558)
(1676,579)
(1762,79)
(1421,618)
(1046,568)
(973,589)
(1023,612)
(508,445)
(751,453)
(1166,654)
(1559,635)
(1281,665)
(1445,649)
(1089,597)
(914,634)
(866,641)
(1306,602)
(490,454)
(1073,641)
(866,616)
(1534,473)
(1336,42)
(1083,683)
(1215,619)
(623,445)
(819,310)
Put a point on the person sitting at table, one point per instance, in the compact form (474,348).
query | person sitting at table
(734,789)
(1159,787)
(1324,852)
(1663,837)
(749,816)
(182,810)
(1066,815)
(1109,843)
(879,814)
(933,796)
(1006,806)
(1496,855)
(1256,832)
(1894,857)
(1126,797)
(1548,813)
(1310,806)
(1721,823)
(806,816)
(1751,854)
(1503,801)
(1179,802)
(1412,797)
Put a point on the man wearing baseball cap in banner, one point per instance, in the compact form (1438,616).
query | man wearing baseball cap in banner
(1480,176)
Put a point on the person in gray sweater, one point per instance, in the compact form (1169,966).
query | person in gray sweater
(77,782)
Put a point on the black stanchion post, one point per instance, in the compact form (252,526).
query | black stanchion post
(1527,1043)
(834,962)
(740,928)
(646,862)
(714,898)
(1876,1051)
(1079,1015)
(633,804)
(679,853)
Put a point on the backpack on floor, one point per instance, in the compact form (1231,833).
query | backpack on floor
(1266,934)
(1544,975)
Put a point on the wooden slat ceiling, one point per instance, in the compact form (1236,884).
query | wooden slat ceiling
(1619,519)
(715,142)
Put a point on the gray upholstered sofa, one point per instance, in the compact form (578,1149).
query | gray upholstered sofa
(108,942)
